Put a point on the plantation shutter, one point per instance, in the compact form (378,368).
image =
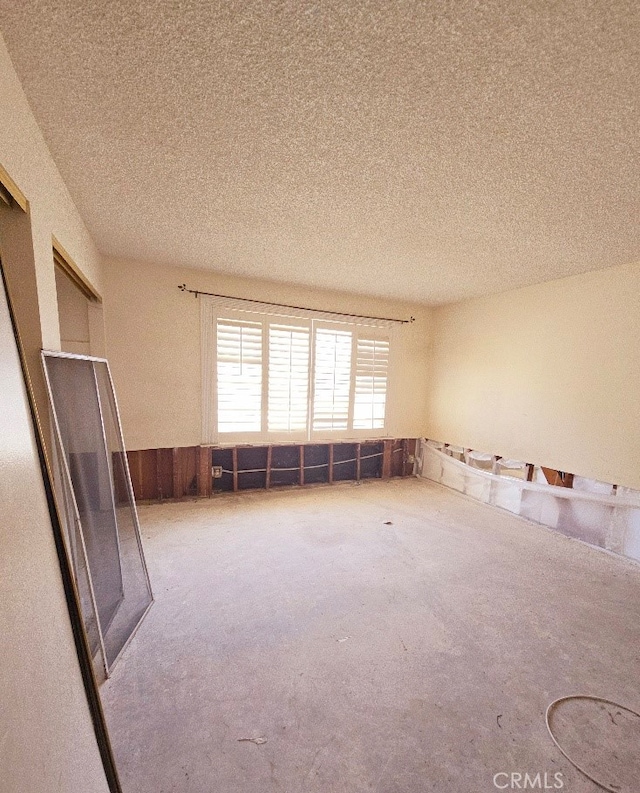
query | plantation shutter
(372,364)
(282,377)
(288,396)
(239,373)
(332,379)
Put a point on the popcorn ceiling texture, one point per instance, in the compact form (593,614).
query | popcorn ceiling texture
(427,151)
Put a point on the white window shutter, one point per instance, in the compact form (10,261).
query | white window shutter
(288,397)
(239,375)
(332,379)
(270,378)
(371,371)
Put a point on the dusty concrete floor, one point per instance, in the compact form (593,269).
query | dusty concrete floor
(415,656)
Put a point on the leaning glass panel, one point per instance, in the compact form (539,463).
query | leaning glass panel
(137,589)
(98,498)
(77,552)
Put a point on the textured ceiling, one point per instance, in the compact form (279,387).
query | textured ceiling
(422,150)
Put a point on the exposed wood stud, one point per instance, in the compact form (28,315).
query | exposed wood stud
(558,478)
(139,469)
(158,475)
(209,474)
(200,480)
(203,473)
(213,464)
(267,482)
(405,455)
(301,465)
(330,463)
(234,457)
(386,459)
(358,462)
(177,488)
(412,446)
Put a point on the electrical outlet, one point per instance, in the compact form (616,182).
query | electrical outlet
(216,472)
(411,459)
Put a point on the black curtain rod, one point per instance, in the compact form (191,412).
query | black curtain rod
(196,292)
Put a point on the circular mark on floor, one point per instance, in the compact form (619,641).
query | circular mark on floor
(599,737)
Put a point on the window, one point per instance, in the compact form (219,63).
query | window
(332,379)
(372,363)
(275,378)
(288,401)
(239,376)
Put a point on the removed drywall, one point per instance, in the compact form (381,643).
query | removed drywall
(609,520)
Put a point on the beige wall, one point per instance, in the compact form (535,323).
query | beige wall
(25,156)
(47,742)
(153,345)
(548,374)
(73,312)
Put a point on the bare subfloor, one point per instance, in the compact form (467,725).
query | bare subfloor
(390,637)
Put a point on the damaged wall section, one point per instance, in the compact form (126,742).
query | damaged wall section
(597,513)
(202,471)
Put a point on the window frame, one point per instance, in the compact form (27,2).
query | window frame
(212,311)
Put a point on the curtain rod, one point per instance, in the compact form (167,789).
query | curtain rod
(196,292)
